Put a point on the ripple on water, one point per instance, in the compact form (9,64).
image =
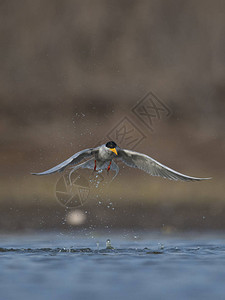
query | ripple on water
(81,250)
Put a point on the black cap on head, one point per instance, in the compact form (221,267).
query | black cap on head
(111,145)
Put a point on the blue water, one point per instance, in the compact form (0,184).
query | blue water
(149,266)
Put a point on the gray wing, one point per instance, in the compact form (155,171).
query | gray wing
(90,164)
(151,166)
(75,159)
(115,168)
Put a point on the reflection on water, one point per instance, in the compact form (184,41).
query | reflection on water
(151,267)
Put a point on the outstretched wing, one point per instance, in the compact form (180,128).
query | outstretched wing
(151,166)
(75,159)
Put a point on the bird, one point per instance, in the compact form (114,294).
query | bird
(103,158)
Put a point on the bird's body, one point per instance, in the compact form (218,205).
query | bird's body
(103,158)
(104,154)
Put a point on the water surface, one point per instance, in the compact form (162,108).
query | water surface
(149,266)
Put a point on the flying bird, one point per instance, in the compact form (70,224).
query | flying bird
(103,158)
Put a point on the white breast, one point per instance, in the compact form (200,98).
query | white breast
(104,154)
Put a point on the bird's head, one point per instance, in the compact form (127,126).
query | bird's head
(112,146)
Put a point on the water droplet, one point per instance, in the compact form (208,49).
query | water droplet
(108,244)
(97,244)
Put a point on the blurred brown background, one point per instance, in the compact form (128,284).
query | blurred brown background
(72,70)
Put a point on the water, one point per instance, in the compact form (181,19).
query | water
(150,266)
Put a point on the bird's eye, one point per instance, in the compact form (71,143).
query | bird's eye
(111,145)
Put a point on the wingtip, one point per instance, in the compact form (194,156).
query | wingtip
(197,179)
(37,174)
(205,178)
(43,173)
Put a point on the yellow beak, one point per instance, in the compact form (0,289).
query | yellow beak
(114,150)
